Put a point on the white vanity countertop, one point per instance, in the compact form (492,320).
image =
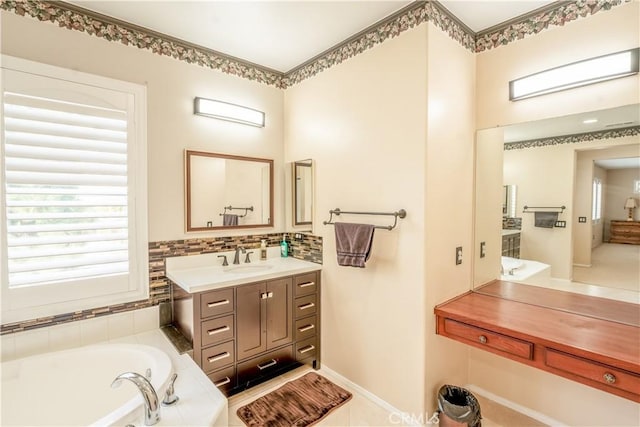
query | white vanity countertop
(510,232)
(200,273)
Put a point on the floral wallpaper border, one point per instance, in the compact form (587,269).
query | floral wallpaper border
(571,139)
(416,13)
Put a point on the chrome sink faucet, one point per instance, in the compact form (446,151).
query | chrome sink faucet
(236,258)
(151,407)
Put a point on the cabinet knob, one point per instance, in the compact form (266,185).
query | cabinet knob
(482,339)
(609,378)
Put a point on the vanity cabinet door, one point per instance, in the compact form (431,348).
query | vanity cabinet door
(279,312)
(251,320)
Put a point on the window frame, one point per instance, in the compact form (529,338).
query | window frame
(31,302)
(596,200)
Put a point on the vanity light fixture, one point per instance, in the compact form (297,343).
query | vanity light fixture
(581,73)
(227,111)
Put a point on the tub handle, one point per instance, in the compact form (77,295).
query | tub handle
(218,357)
(218,330)
(222,382)
(170,397)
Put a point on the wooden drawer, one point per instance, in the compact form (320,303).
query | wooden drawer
(484,338)
(224,379)
(217,330)
(215,303)
(306,349)
(306,327)
(218,356)
(265,364)
(305,284)
(305,306)
(594,371)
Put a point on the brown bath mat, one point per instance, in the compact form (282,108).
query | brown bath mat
(298,403)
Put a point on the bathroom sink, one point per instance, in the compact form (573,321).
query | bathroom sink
(248,269)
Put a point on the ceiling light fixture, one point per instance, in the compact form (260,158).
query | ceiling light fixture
(581,73)
(226,111)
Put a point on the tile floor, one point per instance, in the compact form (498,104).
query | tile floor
(359,411)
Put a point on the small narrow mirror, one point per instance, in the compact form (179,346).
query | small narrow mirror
(225,191)
(302,192)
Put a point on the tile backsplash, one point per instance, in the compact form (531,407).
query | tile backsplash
(302,246)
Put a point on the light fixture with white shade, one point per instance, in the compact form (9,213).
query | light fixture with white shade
(581,73)
(227,111)
(631,205)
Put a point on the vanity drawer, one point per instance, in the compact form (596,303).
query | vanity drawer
(224,379)
(265,364)
(306,349)
(493,340)
(305,306)
(594,371)
(305,328)
(216,302)
(305,284)
(217,330)
(218,356)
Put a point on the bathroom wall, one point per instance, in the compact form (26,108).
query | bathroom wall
(577,40)
(172,126)
(364,122)
(392,128)
(573,41)
(619,188)
(597,229)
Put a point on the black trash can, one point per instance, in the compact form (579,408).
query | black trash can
(458,407)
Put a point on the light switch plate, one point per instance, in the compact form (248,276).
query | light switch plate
(459,255)
(483,249)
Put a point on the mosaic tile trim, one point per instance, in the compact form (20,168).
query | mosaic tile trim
(511,223)
(572,139)
(111,29)
(79,19)
(308,248)
(536,22)
(416,14)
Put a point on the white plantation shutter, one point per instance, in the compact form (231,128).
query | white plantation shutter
(69,154)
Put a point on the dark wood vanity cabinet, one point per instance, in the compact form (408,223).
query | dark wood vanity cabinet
(246,334)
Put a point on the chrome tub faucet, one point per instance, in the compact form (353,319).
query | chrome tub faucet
(151,407)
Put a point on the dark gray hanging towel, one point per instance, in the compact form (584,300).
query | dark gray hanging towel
(545,219)
(353,243)
(229,219)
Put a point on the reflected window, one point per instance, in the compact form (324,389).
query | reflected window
(596,204)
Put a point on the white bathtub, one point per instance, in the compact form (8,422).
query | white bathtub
(524,270)
(73,387)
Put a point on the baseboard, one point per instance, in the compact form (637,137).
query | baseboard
(366,393)
(542,418)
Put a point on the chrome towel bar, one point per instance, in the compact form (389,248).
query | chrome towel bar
(398,214)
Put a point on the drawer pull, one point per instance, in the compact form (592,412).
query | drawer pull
(609,378)
(218,303)
(306,349)
(306,285)
(306,328)
(218,357)
(218,330)
(482,339)
(306,306)
(269,294)
(222,382)
(268,365)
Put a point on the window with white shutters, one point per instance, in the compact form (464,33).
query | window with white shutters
(72,157)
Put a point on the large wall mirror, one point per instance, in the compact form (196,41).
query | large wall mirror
(569,180)
(302,173)
(226,192)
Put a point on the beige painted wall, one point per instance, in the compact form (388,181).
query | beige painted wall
(172,127)
(602,33)
(364,122)
(619,188)
(448,198)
